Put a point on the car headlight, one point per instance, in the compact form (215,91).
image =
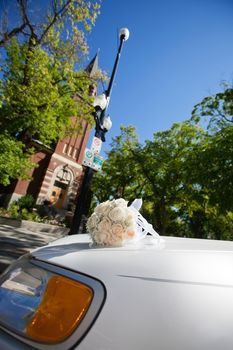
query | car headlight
(47,304)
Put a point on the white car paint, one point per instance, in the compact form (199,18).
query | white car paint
(176,296)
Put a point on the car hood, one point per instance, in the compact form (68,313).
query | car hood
(173,295)
(184,259)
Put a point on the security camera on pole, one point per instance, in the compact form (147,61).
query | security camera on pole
(102,125)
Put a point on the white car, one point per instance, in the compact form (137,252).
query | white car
(70,295)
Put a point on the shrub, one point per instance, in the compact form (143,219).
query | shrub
(25,202)
(21,207)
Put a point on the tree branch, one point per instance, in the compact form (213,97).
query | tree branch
(8,35)
(57,14)
(23,10)
(26,22)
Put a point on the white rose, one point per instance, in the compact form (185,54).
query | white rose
(92,222)
(117,214)
(130,219)
(118,232)
(101,208)
(104,225)
(102,238)
(93,235)
(121,202)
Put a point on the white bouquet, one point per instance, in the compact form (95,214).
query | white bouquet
(113,223)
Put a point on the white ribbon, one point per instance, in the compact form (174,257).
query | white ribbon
(143,226)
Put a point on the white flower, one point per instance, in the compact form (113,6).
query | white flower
(104,225)
(118,232)
(117,214)
(92,222)
(121,202)
(102,237)
(101,208)
(130,218)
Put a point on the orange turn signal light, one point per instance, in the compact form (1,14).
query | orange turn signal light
(64,304)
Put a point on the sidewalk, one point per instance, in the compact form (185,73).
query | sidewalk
(16,241)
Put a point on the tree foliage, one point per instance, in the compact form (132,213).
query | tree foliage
(14,159)
(43,103)
(40,87)
(119,175)
(212,168)
(218,109)
(214,164)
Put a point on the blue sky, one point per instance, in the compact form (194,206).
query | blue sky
(178,52)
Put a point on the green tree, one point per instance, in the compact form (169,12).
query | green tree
(43,104)
(215,159)
(167,173)
(40,88)
(186,201)
(213,169)
(164,165)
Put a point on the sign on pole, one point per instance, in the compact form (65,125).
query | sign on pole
(96,145)
(88,157)
(97,162)
(92,160)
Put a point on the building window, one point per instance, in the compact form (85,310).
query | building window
(70,151)
(75,153)
(65,148)
(63,175)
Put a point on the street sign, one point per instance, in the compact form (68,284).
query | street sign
(96,145)
(92,160)
(88,157)
(97,162)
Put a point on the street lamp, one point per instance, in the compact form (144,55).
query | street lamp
(102,124)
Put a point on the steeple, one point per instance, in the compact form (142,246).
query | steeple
(92,67)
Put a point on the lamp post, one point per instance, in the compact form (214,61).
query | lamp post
(102,125)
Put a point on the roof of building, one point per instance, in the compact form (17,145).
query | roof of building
(92,67)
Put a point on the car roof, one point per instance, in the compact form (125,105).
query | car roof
(176,258)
